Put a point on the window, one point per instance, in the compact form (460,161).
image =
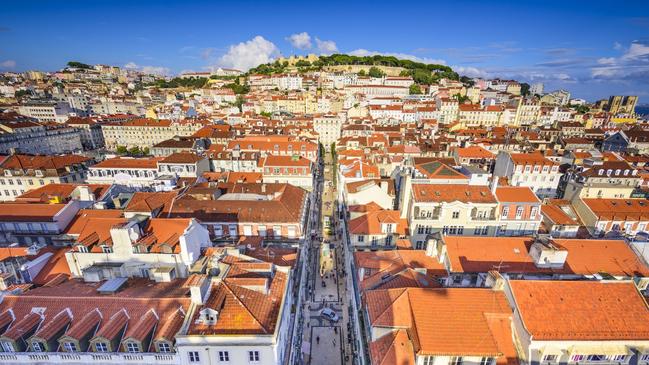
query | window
(101,347)
(618,358)
(505,212)
(595,358)
(253,356)
(549,358)
(485,361)
(7,346)
(429,360)
(36,346)
(456,215)
(70,346)
(132,347)
(164,347)
(644,357)
(106,249)
(577,358)
(455,360)
(361,238)
(224,356)
(534,212)
(193,356)
(519,212)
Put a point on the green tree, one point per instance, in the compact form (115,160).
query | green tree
(145,151)
(134,151)
(525,89)
(266,114)
(467,81)
(122,150)
(362,73)
(302,63)
(415,89)
(239,102)
(21,93)
(375,72)
(75,64)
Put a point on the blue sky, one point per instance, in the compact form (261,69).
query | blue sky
(592,48)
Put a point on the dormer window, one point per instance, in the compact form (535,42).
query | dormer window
(132,347)
(164,347)
(208,316)
(7,172)
(617,172)
(101,347)
(39,173)
(37,346)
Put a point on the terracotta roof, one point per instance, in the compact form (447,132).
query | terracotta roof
(129,163)
(357,186)
(150,201)
(285,205)
(462,330)
(242,310)
(450,193)
(531,159)
(516,194)
(511,255)
(181,158)
(619,209)
(560,212)
(399,268)
(29,212)
(439,170)
(581,310)
(395,348)
(41,162)
(45,193)
(371,222)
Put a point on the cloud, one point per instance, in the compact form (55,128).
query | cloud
(617,46)
(471,71)
(326,47)
(632,65)
(300,40)
(363,53)
(155,70)
(563,62)
(8,64)
(246,55)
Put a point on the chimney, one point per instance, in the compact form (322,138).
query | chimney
(547,255)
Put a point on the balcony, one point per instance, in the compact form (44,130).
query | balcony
(89,358)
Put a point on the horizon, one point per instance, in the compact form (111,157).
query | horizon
(527,42)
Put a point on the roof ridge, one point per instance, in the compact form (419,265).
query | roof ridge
(227,286)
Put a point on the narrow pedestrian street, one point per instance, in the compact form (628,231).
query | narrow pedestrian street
(326,338)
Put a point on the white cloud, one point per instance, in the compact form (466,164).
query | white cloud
(632,64)
(471,71)
(156,70)
(246,55)
(364,52)
(636,50)
(326,47)
(617,46)
(8,64)
(606,60)
(300,40)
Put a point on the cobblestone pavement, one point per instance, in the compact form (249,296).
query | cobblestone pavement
(325,341)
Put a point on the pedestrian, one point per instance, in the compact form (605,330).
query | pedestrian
(334,341)
(317,340)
